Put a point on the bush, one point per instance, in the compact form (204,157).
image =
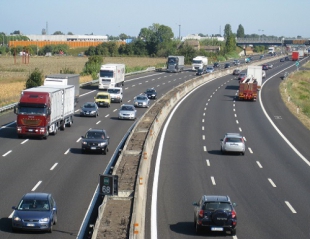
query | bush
(92,66)
(35,79)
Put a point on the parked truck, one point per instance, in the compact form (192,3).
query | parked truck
(257,73)
(199,63)
(248,88)
(295,56)
(111,75)
(175,63)
(43,110)
(64,79)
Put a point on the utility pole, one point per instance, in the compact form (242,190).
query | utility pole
(179,32)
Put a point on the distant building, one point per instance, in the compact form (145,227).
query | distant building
(95,38)
(199,38)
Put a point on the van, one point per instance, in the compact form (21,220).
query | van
(116,94)
(103,99)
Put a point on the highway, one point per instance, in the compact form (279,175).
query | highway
(269,183)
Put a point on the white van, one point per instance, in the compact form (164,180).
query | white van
(116,94)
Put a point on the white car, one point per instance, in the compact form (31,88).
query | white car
(116,94)
(263,74)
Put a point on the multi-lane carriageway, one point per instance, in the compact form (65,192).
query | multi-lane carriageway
(56,165)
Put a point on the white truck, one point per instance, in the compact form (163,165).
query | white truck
(301,53)
(256,72)
(199,62)
(111,75)
(271,50)
(64,79)
(175,63)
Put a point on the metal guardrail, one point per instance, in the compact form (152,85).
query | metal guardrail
(11,106)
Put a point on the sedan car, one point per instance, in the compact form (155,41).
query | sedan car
(151,93)
(35,211)
(141,101)
(89,109)
(95,140)
(236,72)
(282,60)
(233,142)
(287,58)
(265,67)
(127,112)
(210,69)
(215,213)
(241,76)
(227,65)
(216,65)
(236,62)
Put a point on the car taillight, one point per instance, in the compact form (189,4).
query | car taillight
(233,214)
(201,212)
(226,140)
(242,140)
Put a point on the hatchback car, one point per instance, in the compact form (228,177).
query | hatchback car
(236,62)
(233,142)
(200,72)
(95,140)
(282,59)
(141,101)
(151,93)
(236,71)
(89,109)
(287,58)
(127,112)
(35,211)
(103,99)
(227,65)
(265,67)
(216,65)
(215,213)
(210,69)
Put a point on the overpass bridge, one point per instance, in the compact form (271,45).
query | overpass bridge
(271,41)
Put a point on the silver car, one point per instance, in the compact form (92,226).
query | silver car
(141,101)
(127,112)
(210,69)
(233,142)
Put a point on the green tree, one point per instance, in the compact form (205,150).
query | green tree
(123,36)
(227,31)
(230,45)
(240,31)
(92,66)
(188,52)
(34,79)
(70,33)
(58,33)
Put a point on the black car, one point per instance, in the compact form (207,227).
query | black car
(200,72)
(151,93)
(216,65)
(95,140)
(89,109)
(227,65)
(215,213)
(282,59)
(287,58)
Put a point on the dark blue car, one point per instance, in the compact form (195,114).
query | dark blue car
(35,211)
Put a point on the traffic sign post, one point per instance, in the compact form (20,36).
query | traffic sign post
(297,64)
(108,184)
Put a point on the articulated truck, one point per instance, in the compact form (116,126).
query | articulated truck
(175,63)
(43,110)
(256,72)
(111,75)
(248,88)
(199,63)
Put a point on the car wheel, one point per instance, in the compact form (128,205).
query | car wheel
(233,232)
(50,230)
(14,229)
(198,229)
(105,151)
(242,153)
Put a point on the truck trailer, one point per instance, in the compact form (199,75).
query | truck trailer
(175,63)
(111,75)
(295,56)
(64,79)
(199,63)
(256,72)
(43,110)
(248,89)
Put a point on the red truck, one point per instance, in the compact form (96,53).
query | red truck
(295,56)
(43,110)
(248,89)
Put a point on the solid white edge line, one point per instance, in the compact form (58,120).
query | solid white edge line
(54,166)
(36,186)
(290,207)
(273,124)
(157,165)
(272,183)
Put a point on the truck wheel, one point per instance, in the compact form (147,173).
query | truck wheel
(55,130)
(62,126)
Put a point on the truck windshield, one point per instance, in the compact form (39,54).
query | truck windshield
(172,60)
(197,61)
(108,74)
(106,80)
(32,110)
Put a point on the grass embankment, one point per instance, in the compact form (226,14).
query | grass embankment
(13,75)
(295,92)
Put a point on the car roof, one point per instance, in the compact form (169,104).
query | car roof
(36,195)
(103,93)
(127,105)
(216,198)
(233,135)
(96,130)
(117,88)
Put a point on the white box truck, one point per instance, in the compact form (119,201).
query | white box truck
(256,72)
(175,63)
(199,62)
(65,79)
(111,75)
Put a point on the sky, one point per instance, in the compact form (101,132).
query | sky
(99,17)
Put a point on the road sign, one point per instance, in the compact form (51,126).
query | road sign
(297,63)
(108,184)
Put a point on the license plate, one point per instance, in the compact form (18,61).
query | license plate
(101,103)
(218,229)
(30,225)
(30,130)
(93,148)
(87,113)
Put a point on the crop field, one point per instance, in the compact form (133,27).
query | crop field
(14,73)
(295,92)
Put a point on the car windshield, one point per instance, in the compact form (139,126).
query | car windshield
(114,91)
(89,105)
(233,140)
(141,98)
(127,108)
(34,205)
(212,206)
(102,97)
(150,91)
(94,135)
(210,68)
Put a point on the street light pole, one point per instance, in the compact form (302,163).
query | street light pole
(179,32)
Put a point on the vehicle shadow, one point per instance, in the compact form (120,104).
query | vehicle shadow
(232,87)
(6,224)
(187,228)
(90,87)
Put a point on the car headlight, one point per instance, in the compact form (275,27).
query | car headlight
(93,112)
(84,142)
(102,144)
(153,95)
(17,219)
(46,219)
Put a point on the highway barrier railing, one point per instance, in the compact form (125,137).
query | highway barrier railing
(133,166)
